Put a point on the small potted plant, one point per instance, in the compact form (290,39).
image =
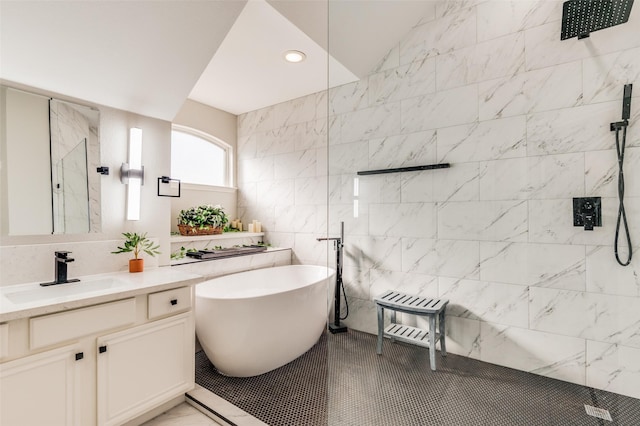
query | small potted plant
(202,220)
(137,243)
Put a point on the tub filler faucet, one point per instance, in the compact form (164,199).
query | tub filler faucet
(61,260)
(338,244)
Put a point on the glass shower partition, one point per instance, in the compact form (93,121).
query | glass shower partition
(494,233)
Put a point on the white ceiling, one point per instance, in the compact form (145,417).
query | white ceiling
(249,72)
(137,56)
(148,57)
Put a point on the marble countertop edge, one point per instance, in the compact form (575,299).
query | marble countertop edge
(129,285)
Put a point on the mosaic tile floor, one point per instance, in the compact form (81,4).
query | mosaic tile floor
(342,382)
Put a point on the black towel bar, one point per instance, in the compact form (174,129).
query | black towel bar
(405,169)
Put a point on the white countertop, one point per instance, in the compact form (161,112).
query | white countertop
(27,300)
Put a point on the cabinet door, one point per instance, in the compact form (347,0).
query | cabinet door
(41,389)
(143,367)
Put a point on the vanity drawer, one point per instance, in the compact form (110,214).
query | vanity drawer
(169,302)
(56,328)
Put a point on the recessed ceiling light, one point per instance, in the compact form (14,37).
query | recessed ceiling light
(294,56)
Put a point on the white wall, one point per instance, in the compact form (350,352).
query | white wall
(156,151)
(524,120)
(218,123)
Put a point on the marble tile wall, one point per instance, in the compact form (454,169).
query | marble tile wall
(524,120)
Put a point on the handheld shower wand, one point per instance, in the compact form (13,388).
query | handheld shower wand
(620,147)
(626,102)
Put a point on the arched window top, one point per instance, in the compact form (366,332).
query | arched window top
(197,157)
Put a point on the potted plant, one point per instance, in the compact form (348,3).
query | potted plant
(202,220)
(137,243)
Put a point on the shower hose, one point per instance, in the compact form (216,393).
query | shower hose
(622,215)
(344,296)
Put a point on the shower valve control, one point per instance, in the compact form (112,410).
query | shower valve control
(587,212)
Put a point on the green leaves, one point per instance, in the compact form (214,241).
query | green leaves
(180,254)
(137,243)
(204,216)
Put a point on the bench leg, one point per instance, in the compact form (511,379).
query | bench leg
(432,341)
(380,329)
(443,331)
(393,321)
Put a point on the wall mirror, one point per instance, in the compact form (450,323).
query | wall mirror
(50,151)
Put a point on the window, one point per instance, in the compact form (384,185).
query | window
(199,158)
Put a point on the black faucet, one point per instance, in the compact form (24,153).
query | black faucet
(338,244)
(61,261)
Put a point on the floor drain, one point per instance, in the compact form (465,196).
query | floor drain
(600,413)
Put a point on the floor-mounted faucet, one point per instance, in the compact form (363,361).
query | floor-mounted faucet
(61,260)
(338,244)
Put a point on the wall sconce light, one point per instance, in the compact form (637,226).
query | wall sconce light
(132,174)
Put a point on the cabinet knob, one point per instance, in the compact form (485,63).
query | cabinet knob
(79,356)
(174,301)
(102,349)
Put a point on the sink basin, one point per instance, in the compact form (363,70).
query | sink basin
(34,294)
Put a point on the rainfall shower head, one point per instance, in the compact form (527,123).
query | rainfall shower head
(581,17)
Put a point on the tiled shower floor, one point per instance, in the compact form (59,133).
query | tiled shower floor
(341,381)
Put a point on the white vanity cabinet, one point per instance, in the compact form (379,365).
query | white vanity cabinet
(103,364)
(41,389)
(143,367)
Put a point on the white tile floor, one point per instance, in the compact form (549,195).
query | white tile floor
(182,415)
(186,414)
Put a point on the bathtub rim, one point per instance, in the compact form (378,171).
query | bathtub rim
(201,286)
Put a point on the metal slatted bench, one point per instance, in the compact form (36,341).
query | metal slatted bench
(415,305)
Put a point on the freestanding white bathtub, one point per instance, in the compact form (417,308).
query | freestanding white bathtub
(256,321)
